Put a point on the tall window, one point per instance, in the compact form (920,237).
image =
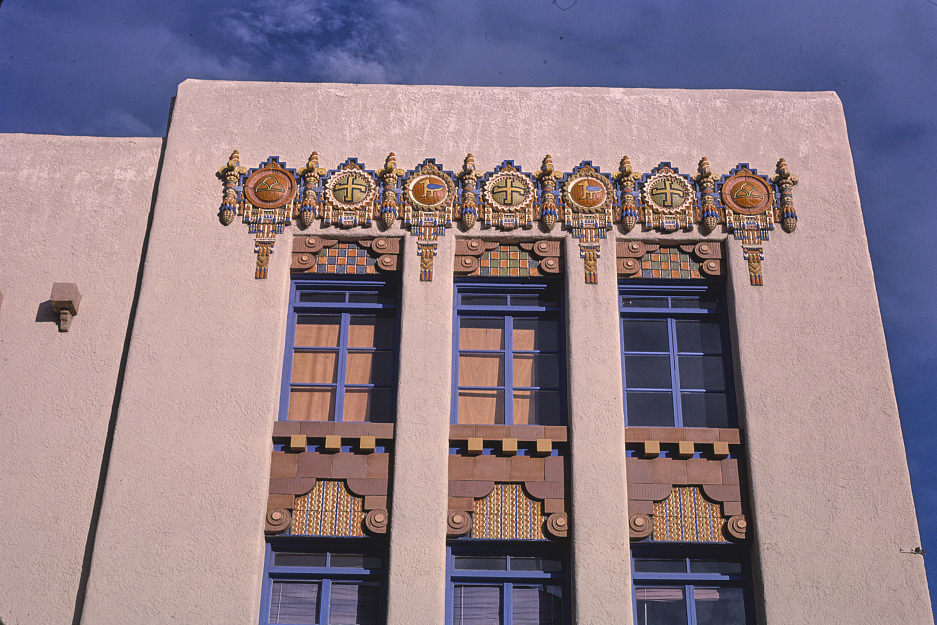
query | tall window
(313,587)
(674,364)
(341,354)
(508,342)
(523,589)
(703,590)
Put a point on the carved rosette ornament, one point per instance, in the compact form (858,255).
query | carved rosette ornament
(627,179)
(557,525)
(458,523)
(706,181)
(588,199)
(668,199)
(640,525)
(278,520)
(468,209)
(375,521)
(350,195)
(549,209)
(508,198)
(390,200)
(737,527)
(430,196)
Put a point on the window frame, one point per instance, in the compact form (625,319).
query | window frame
(324,575)
(507,313)
(345,310)
(690,580)
(507,579)
(678,289)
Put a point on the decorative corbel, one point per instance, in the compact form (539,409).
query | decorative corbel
(65,299)
(310,207)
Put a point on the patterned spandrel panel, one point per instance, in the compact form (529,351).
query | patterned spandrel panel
(670,262)
(508,261)
(328,510)
(687,516)
(508,514)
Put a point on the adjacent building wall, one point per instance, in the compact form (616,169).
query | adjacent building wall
(181,528)
(74,209)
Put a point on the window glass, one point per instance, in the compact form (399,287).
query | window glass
(296,603)
(479,333)
(481,370)
(317,330)
(299,559)
(705,410)
(721,567)
(660,605)
(702,372)
(537,605)
(520,563)
(375,404)
(537,407)
(315,367)
(481,563)
(660,565)
(645,335)
(542,370)
(647,371)
(481,406)
(699,336)
(311,404)
(476,605)
(719,606)
(353,604)
(534,334)
(649,408)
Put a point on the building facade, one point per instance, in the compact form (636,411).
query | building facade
(368,354)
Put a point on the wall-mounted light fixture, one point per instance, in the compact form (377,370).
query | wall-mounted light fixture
(65,299)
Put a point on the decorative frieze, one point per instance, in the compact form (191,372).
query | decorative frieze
(585,201)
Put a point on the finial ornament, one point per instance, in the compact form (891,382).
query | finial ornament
(230,174)
(309,209)
(709,216)
(469,179)
(390,202)
(549,212)
(627,178)
(785,182)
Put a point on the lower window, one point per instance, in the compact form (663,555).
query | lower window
(526,586)
(707,588)
(312,584)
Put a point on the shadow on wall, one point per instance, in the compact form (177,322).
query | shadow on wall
(45,313)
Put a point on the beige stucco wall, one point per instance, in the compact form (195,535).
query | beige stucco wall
(72,209)
(181,529)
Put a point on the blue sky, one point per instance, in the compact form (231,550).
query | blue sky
(110,67)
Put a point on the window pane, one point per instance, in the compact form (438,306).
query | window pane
(535,334)
(694,301)
(530,300)
(660,606)
(536,564)
(308,404)
(298,559)
(649,408)
(371,331)
(536,370)
(354,561)
(537,407)
(636,301)
(709,410)
(368,297)
(699,336)
(647,372)
(481,407)
(370,368)
(659,565)
(317,330)
(353,604)
(719,606)
(469,299)
(475,333)
(703,372)
(318,367)
(476,605)
(294,602)
(481,563)
(374,404)
(537,605)
(481,370)
(716,566)
(322,297)
(645,335)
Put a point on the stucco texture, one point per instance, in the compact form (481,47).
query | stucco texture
(181,528)
(74,209)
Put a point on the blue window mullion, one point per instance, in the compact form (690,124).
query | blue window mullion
(508,604)
(674,373)
(690,604)
(342,364)
(508,370)
(325,594)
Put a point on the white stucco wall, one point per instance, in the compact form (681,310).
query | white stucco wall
(181,529)
(72,209)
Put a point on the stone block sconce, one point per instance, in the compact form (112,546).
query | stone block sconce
(65,299)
